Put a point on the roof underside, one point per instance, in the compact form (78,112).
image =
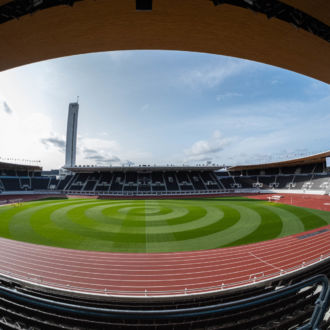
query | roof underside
(19,167)
(144,169)
(266,31)
(317,158)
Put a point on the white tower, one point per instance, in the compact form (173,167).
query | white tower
(71,135)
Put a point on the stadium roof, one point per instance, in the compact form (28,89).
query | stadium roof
(19,167)
(142,168)
(317,158)
(292,34)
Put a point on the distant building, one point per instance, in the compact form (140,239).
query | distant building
(71,135)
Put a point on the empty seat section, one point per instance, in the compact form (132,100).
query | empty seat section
(227,182)
(301,181)
(320,182)
(39,183)
(25,183)
(90,185)
(117,182)
(266,182)
(171,182)
(283,181)
(11,184)
(196,181)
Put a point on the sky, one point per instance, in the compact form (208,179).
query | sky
(161,107)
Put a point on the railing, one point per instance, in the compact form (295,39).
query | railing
(252,279)
(59,307)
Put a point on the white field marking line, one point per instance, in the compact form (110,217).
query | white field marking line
(78,274)
(183,255)
(144,283)
(111,272)
(220,263)
(127,259)
(292,250)
(28,269)
(222,274)
(305,252)
(122,271)
(177,267)
(265,262)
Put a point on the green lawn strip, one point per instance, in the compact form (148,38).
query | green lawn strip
(221,223)
(290,221)
(131,242)
(269,228)
(249,220)
(177,215)
(213,216)
(78,223)
(311,219)
(21,227)
(325,215)
(166,230)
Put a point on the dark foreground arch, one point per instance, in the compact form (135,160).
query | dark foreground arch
(292,34)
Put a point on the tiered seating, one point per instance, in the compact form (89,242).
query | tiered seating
(25,183)
(117,182)
(245,182)
(40,183)
(196,181)
(53,183)
(103,184)
(267,182)
(301,181)
(284,181)
(90,185)
(227,182)
(158,183)
(210,181)
(63,183)
(11,184)
(144,182)
(170,181)
(78,182)
(320,182)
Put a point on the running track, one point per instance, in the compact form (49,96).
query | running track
(159,274)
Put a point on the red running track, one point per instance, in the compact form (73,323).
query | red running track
(160,274)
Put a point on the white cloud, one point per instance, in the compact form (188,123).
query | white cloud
(54,141)
(212,75)
(205,149)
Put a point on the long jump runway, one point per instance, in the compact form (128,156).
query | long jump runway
(159,274)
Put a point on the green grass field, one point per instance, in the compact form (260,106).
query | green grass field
(154,225)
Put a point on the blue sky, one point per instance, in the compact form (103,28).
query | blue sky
(162,107)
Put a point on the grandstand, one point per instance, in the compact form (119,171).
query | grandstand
(304,175)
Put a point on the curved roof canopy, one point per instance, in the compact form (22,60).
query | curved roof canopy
(317,158)
(292,34)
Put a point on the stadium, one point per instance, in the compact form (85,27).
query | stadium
(166,247)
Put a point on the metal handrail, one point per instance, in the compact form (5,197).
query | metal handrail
(319,311)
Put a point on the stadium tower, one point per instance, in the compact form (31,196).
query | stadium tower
(71,135)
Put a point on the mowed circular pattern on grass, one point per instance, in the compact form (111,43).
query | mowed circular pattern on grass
(155,225)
